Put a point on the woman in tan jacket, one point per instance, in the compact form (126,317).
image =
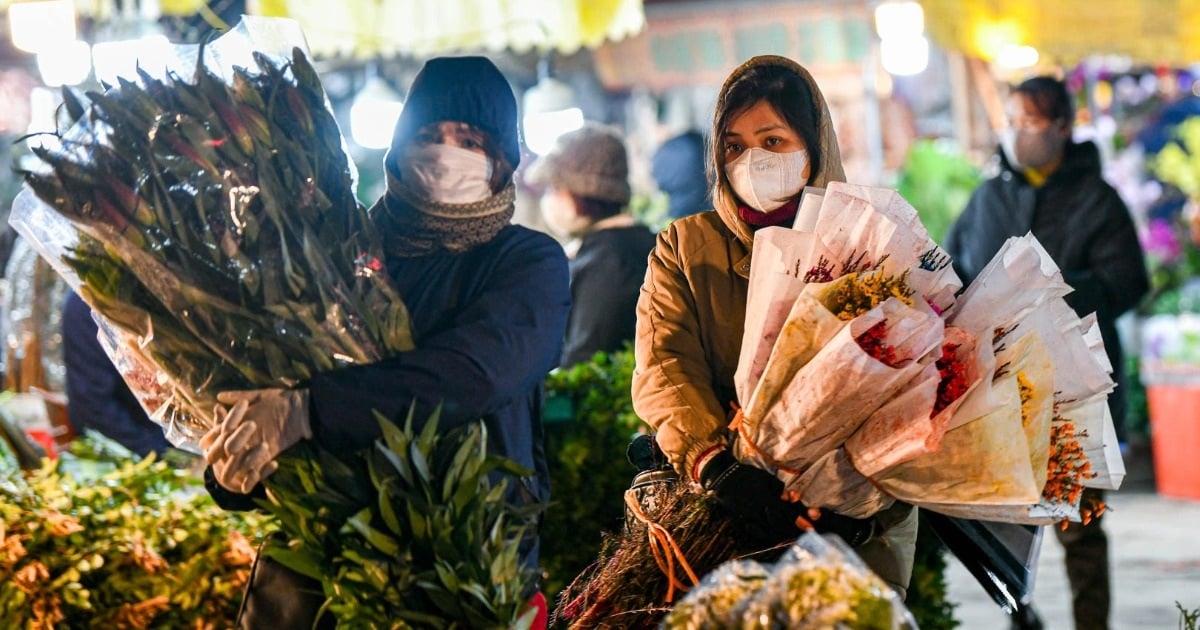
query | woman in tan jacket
(772,136)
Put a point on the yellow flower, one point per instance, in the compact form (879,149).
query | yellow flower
(1025,390)
(30,576)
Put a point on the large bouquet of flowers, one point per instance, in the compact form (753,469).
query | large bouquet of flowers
(867,380)
(209,217)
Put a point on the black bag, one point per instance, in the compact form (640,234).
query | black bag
(278,598)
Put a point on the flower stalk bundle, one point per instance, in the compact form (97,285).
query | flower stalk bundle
(214,224)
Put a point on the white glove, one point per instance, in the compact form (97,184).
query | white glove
(252,428)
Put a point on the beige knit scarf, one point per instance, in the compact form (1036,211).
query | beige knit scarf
(413,225)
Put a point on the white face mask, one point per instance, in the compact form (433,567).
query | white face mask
(1008,144)
(447,174)
(765,180)
(560,214)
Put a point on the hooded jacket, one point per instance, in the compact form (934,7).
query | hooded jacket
(691,316)
(487,322)
(693,305)
(1084,226)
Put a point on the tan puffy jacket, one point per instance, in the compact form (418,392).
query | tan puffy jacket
(693,306)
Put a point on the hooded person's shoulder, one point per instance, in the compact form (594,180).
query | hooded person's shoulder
(519,241)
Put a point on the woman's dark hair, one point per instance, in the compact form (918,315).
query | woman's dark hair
(1050,97)
(502,171)
(786,92)
(596,209)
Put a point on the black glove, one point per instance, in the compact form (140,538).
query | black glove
(644,454)
(754,497)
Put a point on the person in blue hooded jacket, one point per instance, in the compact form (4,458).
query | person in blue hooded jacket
(97,397)
(488,299)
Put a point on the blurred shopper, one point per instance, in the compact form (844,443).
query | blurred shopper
(772,136)
(678,169)
(1053,187)
(586,190)
(97,397)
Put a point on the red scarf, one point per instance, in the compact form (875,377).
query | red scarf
(778,216)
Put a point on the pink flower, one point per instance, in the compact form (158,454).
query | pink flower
(1162,242)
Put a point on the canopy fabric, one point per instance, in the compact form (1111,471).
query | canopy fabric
(1149,31)
(372,28)
(383,28)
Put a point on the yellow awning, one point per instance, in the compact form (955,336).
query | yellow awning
(369,28)
(1065,31)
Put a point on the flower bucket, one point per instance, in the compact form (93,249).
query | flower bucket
(1175,439)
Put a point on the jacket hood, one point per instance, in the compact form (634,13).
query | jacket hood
(463,89)
(724,199)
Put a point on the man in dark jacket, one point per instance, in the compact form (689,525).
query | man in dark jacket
(97,397)
(587,189)
(1053,188)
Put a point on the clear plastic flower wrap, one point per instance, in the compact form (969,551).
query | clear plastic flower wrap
(716,603)
(208,216)
(820,583)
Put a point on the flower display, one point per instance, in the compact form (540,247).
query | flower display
(99,539)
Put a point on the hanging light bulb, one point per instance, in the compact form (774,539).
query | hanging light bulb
(550,111)
(69,64)
(122,58)
(374,113)
(41,26)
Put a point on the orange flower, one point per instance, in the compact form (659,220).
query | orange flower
(61,524)
(147,559)
(12,549)
(1068,465)
(240,552)
(31,576)
(47,612)
(140,615)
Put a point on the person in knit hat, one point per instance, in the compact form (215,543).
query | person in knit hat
(487,302)
(586,191)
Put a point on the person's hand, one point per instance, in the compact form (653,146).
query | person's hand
(754,496)
(252,428)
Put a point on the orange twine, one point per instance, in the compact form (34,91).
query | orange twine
(666,552)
